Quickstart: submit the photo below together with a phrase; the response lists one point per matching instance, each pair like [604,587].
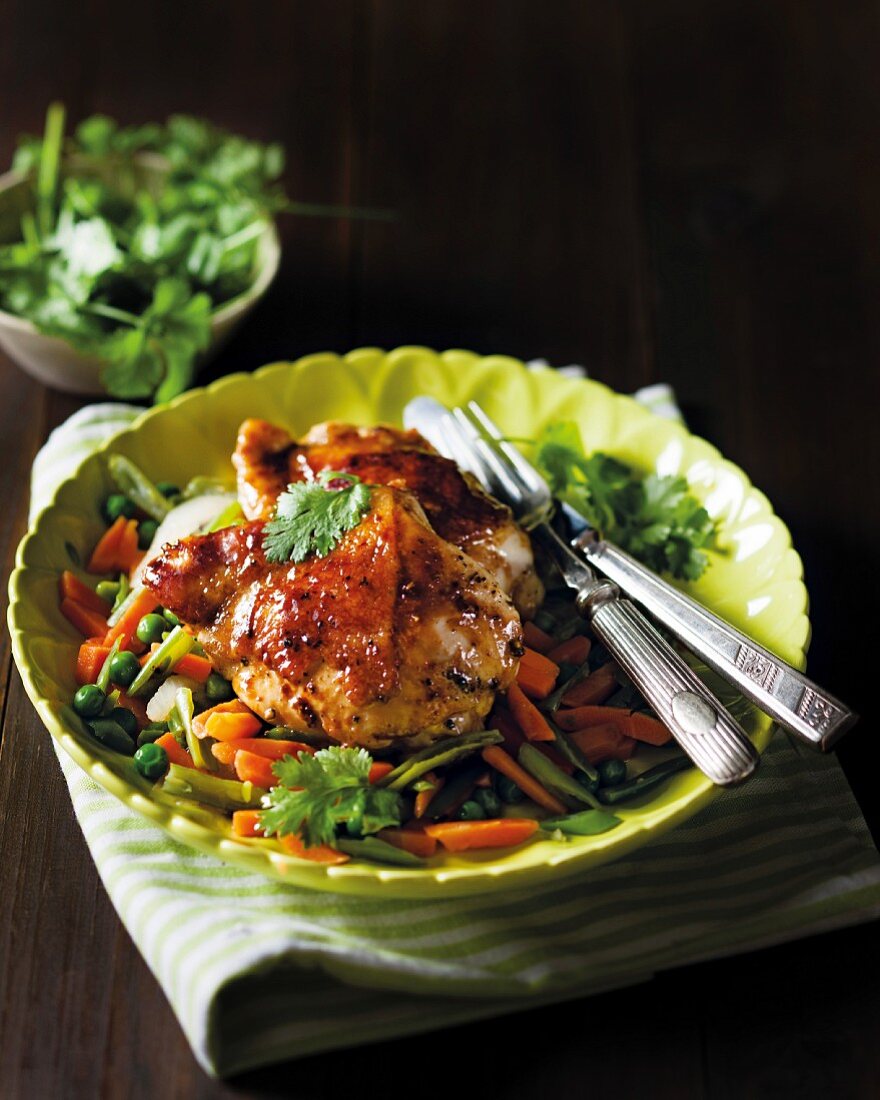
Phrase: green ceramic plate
[756,584]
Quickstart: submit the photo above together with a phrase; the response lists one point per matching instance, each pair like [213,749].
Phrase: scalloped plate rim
[363,878]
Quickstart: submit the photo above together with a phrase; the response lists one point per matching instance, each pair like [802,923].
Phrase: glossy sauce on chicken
[267,459]
[395,635]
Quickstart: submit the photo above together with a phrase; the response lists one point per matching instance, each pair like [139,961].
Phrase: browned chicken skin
[396,634]
[267,458]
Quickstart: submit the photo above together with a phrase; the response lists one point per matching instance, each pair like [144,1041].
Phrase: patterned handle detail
[793,700]
[713,740]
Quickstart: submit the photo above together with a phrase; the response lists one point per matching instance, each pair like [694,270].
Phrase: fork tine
[532,479]
[497,470]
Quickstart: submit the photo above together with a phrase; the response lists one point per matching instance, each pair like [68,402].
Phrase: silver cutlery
[707,733]
[792,699]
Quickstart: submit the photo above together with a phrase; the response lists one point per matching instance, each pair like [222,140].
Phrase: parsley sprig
[656,519]
[335,790]
[311,517]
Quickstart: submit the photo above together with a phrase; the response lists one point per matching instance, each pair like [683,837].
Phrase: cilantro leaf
[334,788]
[654,518]
[311,518]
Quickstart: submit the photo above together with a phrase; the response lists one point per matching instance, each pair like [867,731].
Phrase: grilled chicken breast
[395,634]
[267,459]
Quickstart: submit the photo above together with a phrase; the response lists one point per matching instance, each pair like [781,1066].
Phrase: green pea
[218,689]
[112,735]
[151,761]
[545,621]
[170,617]
[147,528]
[122,716]
[168,488]
[488,800]
[507,790]
[123,668]
[611,773]
[117,505]
[107,590]
[471,811]
[150,629]
[89,701]
[151,733]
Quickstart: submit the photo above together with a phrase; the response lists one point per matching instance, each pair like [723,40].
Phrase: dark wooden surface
[663,190]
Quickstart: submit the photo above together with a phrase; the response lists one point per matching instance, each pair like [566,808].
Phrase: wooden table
[663,190]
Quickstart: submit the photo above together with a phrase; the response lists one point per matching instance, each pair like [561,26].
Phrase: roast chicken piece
[395,635]
[267,458]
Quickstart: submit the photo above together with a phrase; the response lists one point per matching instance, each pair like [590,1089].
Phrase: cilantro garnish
[654,518]
[311,518]
[335,789]
[125,269]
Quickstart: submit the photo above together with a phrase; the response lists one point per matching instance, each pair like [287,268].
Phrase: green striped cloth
[257,971]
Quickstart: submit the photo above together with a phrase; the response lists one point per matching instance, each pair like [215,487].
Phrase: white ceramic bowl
[57,363]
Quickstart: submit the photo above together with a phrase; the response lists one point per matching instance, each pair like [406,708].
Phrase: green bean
[644,782]
[137,487]
[565,788]
[176,645]
[553,700]
[225,794]
[371,847]
[586,823]
[437,755]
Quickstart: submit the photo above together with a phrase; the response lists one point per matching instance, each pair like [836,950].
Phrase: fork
[708,734]
[797,703]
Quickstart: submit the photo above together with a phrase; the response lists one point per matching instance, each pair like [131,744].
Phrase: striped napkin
[258,971]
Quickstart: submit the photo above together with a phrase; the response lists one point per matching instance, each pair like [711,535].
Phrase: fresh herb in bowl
[133,237]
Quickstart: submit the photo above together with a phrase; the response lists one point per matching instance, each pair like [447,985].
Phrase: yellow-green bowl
[756,583]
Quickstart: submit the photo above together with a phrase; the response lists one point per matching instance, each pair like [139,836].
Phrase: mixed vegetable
[554,760]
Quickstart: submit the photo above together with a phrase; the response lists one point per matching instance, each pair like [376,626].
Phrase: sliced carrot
[503,832]
[537,639]
[176,754]
[597,687]
[127,552]
[89,623]
[415,841]
[579,718]
[575,651]
[257,769]
[89,661]
[246,823]
[600,743]
[650,730]
[527,716]
[318,853]
[72,588]
[379,769]
[232,727]
[195,667]
[536,674]
[225,751]
[142,604]
[495,756]
[104,557]
[423,798]
[233,707]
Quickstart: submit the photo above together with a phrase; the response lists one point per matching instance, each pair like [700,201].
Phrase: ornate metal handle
[788,696]
[709,735]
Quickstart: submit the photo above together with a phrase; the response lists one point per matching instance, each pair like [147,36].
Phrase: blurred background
[662,190]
